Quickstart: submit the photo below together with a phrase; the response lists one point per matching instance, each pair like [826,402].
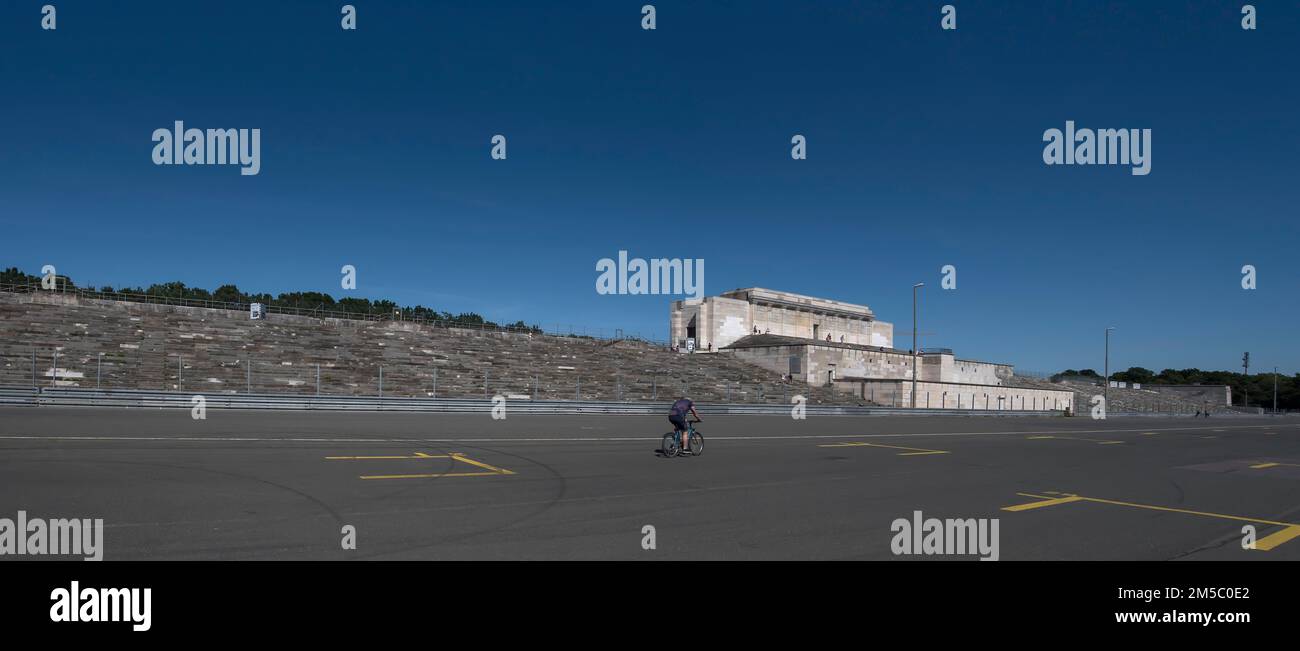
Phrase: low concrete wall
[818,361]
[951,395]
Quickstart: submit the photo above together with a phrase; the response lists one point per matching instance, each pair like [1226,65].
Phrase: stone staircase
[1120,400]
[127,345]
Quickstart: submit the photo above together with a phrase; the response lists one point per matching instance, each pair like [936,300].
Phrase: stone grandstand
[128,345]
[1124,400]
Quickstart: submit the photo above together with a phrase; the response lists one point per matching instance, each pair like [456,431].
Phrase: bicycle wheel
[669,446]
[697,444]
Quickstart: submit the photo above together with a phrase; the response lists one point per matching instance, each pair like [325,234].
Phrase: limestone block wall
[815,363]
[856,362]
[726,320]
[721,320]
[942,367]
[777,359]
[882,335]
[717,321]
[1216,396]
[809,325]
[818,364]
[952,395]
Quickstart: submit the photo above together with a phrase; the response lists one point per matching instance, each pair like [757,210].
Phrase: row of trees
[300,300]
[1256,387]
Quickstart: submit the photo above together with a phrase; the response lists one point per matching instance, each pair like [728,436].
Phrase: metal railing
[68,397]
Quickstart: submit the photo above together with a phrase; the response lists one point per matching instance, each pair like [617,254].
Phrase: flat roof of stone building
[791,300]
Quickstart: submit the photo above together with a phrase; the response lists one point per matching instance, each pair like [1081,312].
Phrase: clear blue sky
[925,149]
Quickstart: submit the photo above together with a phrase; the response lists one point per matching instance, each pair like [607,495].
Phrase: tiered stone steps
[1120,400]
[140,345]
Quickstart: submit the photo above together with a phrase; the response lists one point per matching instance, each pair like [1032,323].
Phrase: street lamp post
[915,351]
[1105,387]
[1245,391]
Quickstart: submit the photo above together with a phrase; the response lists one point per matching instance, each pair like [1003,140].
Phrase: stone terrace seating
[1121,400]
[140,344]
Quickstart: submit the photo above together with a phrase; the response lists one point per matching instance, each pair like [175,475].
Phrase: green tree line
[1257,388]
[300,300]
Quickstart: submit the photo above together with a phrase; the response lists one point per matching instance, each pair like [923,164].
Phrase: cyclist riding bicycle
[677,416]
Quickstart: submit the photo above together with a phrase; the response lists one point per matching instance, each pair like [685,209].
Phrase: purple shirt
[682,407]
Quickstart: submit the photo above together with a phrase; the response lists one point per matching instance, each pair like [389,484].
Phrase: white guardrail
[69,397]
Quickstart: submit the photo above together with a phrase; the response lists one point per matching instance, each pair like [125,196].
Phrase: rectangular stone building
[823,342]
[715,322]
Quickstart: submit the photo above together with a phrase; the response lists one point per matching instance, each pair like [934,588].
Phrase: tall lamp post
[1105,387]
[915,351]
[1245,393]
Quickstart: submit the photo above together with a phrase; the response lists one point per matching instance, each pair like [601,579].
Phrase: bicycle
[672,445]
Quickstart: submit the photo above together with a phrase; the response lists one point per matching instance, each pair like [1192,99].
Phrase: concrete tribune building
[824,342]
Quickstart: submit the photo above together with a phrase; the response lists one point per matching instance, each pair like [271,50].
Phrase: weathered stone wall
[721,320]
[951,395]
[969,371]
[123,345]
[819,363]
[1215,396]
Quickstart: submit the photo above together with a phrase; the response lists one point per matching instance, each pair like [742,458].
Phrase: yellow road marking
[501,471]
[1046,502]
[1277,538]
[434,475]
[1291,530]
[417,455]
[915,452]
[454,456]
[1270,464]
[1073,438]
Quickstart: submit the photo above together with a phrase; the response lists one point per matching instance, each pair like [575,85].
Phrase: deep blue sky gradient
[925,149]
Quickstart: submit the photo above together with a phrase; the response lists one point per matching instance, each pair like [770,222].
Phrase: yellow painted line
[454,456]
[1290,531]
[914,451]
[1270,464]
[417,455]
[1072,438]
[1042,503]
[1187,511]
[1147,434]
[1277,538]
[435,475]
[499,471]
